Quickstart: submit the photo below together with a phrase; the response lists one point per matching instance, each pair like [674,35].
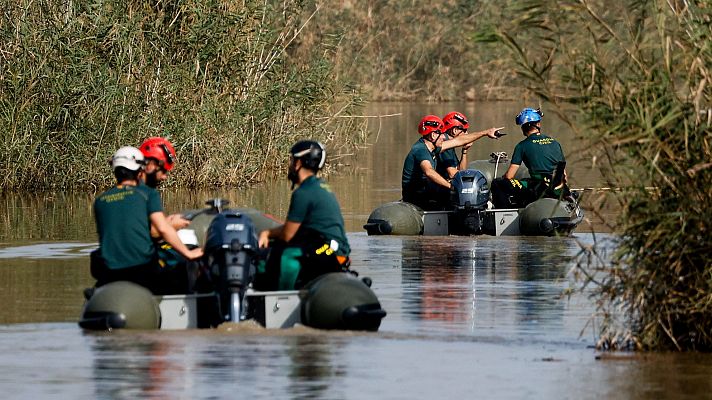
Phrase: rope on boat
[608,189]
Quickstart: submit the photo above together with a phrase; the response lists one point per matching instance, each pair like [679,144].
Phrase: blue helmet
[528,115]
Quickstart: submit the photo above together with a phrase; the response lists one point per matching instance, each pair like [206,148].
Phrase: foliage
[415,50]
[80,79]
[636,75]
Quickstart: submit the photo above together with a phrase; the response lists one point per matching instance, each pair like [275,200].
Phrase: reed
[634,77]
[415,50]
[216,77]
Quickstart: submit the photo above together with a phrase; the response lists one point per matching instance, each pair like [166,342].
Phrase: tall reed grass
[415,50]
[80,79]
[634,77]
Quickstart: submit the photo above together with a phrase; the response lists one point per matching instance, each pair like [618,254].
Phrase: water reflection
[500,286]
[129,369]
[300,365]
[49,250]
[45,216]
[440,281]
[537,268]
[312,369]
[42,289]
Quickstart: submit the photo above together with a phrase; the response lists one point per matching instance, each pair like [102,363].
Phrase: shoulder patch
[325,186]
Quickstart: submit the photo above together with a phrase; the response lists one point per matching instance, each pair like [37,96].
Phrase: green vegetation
[635,77]
[416,50]
[80,79]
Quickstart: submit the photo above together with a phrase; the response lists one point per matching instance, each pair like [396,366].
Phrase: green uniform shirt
[122,222]
[540,153]
[447,159]
[414,179]
[315,207]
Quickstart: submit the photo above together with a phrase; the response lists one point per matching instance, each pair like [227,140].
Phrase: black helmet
[312,154]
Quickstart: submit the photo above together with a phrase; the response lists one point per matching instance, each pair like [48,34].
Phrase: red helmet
[455,120]
[160,149]
[430,124]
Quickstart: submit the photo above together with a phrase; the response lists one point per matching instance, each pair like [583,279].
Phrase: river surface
[468,317]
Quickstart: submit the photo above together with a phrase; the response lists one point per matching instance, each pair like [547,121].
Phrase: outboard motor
[468,199]
[231,246]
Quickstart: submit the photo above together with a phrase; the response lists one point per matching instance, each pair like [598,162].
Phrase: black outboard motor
[231,246]
[468,199]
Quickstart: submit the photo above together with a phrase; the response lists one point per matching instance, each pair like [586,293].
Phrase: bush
[82,79]
[411,50]
[635,76]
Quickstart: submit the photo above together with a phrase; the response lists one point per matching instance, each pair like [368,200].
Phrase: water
[468,317]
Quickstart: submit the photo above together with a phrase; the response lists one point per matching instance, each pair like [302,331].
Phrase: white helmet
[128,157]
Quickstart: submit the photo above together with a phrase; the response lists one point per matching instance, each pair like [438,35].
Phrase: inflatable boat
[229,239]
[470,210]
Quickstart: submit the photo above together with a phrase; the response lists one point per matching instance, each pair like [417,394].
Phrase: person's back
[312,240]
[539,153]
[542,155]
[314,204]
[122,221]
[124,217]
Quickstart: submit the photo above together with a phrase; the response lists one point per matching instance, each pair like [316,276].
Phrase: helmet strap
[527,128]
[293,173]
[430,137]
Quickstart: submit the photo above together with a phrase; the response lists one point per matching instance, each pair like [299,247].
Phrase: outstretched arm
[469,138]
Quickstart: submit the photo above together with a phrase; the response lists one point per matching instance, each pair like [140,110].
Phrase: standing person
[420,165]
[542,155]
[124,215]
[313,240]
[160,159]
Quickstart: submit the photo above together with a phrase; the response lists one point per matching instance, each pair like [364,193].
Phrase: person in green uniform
[544,158]
[448,163]
[124,215]
[454,124]
[313,240]
[160,158]
[420,176]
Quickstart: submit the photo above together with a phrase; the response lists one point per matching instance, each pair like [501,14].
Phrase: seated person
[124,215]
[448,163]
[420,175]
[312,241]
[160,158]
[543,156]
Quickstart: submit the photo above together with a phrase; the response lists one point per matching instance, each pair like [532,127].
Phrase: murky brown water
[477,317]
